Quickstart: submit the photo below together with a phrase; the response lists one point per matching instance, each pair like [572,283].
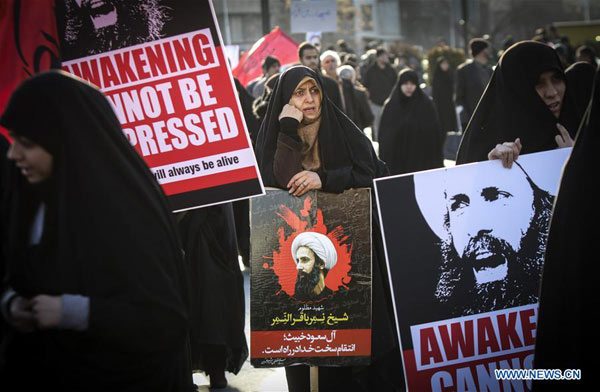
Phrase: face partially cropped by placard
[96,26]
[102,12]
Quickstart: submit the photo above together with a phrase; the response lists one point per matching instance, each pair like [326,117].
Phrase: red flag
[28,43]
[277,44]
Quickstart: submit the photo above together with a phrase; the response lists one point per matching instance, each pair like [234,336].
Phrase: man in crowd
[379,79]
[270,66]
[356,99]
[314,255]
[309,56]
[471,78]
[344,48]
[330,61]
[587,54]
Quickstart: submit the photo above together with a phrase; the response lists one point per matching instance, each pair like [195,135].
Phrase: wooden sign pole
[314,379]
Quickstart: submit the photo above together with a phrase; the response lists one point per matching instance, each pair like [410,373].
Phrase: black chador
[567,328]
[409,132]
[510,107]
[442,90]
[217,290]
[106,235]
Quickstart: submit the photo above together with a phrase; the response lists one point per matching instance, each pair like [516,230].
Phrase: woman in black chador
[409,133]
[241,208]
[95,291]
[442,91]
[569,281]
[580,79]
[217,291]
[527,107]
[305,143]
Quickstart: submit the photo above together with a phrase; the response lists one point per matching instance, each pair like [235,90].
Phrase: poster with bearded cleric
[310,287]
[465,248]
[162,66]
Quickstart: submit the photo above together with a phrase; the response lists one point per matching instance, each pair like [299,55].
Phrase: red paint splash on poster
[283,264]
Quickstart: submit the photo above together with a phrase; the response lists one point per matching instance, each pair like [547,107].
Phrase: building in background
[415,22]
[359,21]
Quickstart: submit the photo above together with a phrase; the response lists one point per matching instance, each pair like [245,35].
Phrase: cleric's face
[305,258]
[488,218]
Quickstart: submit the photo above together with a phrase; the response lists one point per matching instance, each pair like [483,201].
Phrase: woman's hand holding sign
[304,182]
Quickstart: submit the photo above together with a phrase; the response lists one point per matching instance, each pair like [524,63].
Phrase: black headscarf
[569,280]
[347,156]
[510,107]
[108,235]
[409,131]
[580,79]
[246,101]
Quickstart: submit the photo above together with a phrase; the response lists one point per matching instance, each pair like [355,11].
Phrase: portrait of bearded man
[492,227]
[314,255]
[96,26]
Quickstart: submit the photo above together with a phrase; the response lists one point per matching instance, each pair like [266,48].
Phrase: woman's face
[307,99]
[550,86]
[444,65]
[32,159]
[408,88]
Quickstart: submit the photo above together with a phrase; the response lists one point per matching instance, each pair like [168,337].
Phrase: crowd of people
[363,86]
[98,288]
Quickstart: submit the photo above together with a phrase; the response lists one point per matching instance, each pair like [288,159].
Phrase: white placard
[232,52]
[313,15]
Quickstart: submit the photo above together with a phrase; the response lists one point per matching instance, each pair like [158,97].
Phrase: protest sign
[232,52]
[162,67]
[311,279]
[464,248]
[313,15]
[25,50]
[276,44]
[314,38]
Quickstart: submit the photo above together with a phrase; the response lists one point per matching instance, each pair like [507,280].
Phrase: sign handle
[314,379]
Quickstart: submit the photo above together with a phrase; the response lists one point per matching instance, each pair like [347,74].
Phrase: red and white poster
[311,279]
[163,68]
[465,250]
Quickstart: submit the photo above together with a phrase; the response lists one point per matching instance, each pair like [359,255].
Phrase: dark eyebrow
[491,193]
[457,199]
[460,197]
